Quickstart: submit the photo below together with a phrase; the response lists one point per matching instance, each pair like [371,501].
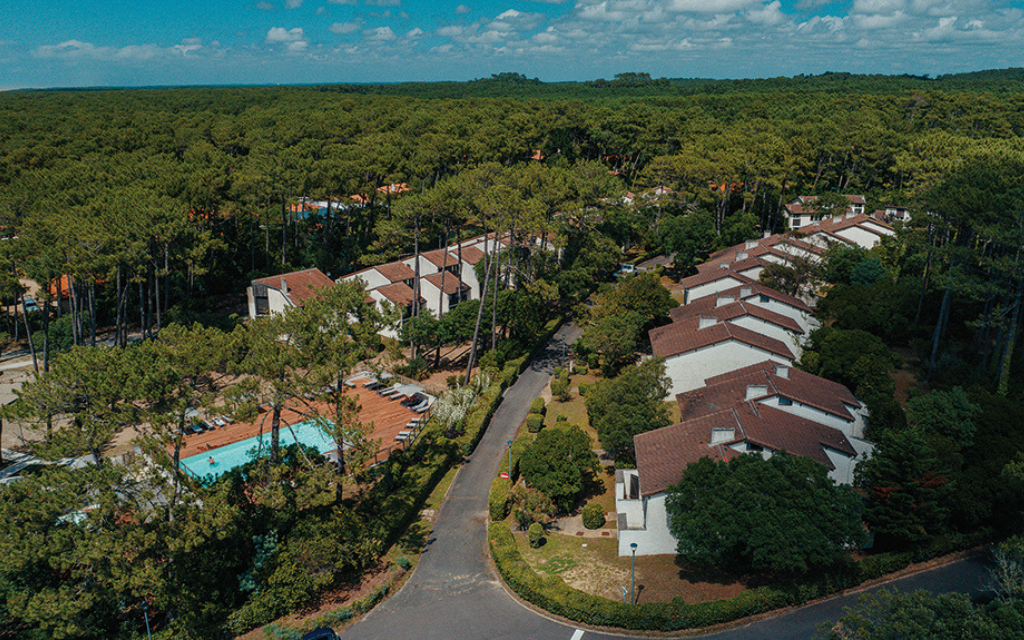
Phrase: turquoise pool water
[238,453]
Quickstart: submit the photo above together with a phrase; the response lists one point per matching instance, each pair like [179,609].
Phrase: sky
[88,43]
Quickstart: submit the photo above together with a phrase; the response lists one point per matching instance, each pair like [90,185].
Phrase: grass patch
[673,411]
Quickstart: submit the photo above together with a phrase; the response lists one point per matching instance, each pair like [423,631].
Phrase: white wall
[371,277]
[765,328]
[710,288]
[849,427]
[687,371]
[844,464]
[806,321]
[654,538]
[860,237]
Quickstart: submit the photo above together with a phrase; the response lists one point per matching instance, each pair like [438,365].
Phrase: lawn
[593,565]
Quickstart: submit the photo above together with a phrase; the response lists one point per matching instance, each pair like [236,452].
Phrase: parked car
[323,633]
[30,304]
[625,270]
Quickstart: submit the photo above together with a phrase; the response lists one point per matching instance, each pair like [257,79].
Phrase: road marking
[577,635]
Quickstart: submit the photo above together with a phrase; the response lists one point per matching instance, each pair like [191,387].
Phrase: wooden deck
[387,416]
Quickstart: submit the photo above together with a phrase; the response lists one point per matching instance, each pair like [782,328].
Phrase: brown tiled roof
[708,306]
[758,289]
[302,285]
[437,257]
[396,271]
[729,389]
[684,336]
[398,293]
[712,275]
[451,282]
[663,454]
[472,255]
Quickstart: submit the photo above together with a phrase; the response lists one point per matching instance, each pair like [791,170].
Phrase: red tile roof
[398,293]
[663,454]
[708,306]
[451,282]
[685,336]
[729,389]
[437,258]
[712,275]
[301,285]
[472,255]
[758,289]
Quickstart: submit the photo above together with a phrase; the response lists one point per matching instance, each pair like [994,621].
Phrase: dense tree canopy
[783,514]
[628,405]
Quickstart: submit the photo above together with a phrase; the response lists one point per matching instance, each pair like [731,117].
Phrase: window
[765,299]
[784,401]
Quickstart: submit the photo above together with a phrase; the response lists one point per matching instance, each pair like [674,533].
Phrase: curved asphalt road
[454,594]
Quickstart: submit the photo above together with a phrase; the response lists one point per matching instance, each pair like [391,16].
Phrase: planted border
[553,595]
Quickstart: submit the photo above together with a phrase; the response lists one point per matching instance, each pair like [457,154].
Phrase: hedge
[537,406]
[553,595]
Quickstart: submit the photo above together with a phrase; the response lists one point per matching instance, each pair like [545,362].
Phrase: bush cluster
[537,406]
[534,423]
[593,516]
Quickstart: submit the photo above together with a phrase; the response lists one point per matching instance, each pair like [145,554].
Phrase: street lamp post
[510,462]
[632,578]
[145,613]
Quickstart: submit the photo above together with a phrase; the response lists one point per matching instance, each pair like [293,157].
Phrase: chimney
[851,214]
[837,218]
[767,233]
[704,322]
[756,391]
[782,371]
[723,266]
[742,256]
[745,291]
[722,434]
[751,244]
[721,301]
[284,285]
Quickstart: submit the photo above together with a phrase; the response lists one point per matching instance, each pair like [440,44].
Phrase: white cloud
[415,34]
[383,3]
[80,50]
[293,4]
[462,10]
[348,2]
[292,39]
[712,6]
[768,15]
[341,28]
[380,34]
[265,6]
[450,31]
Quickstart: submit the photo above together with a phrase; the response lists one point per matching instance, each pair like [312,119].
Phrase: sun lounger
[387,390]
[220,421]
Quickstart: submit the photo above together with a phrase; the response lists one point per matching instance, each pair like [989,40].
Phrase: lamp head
[632,545]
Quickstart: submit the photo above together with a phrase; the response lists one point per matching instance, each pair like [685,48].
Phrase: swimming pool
[238,453]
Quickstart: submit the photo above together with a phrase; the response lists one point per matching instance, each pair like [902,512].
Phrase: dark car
[323,633]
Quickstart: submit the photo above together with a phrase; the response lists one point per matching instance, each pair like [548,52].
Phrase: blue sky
[63,43]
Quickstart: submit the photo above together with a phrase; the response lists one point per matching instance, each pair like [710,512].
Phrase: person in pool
[212,461]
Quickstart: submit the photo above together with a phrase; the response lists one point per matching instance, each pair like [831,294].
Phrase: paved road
[454,594]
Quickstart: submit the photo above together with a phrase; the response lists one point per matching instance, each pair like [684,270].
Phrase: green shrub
[498,499]
[593,360]
[558,372]
[404,563]
[537,406]
[534,423]
[561,419]
[277,632]
[584,388]
[415,369]
[560,389]
[593,516]
[580,369]
[363,605]
[536,534]
[333,618]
